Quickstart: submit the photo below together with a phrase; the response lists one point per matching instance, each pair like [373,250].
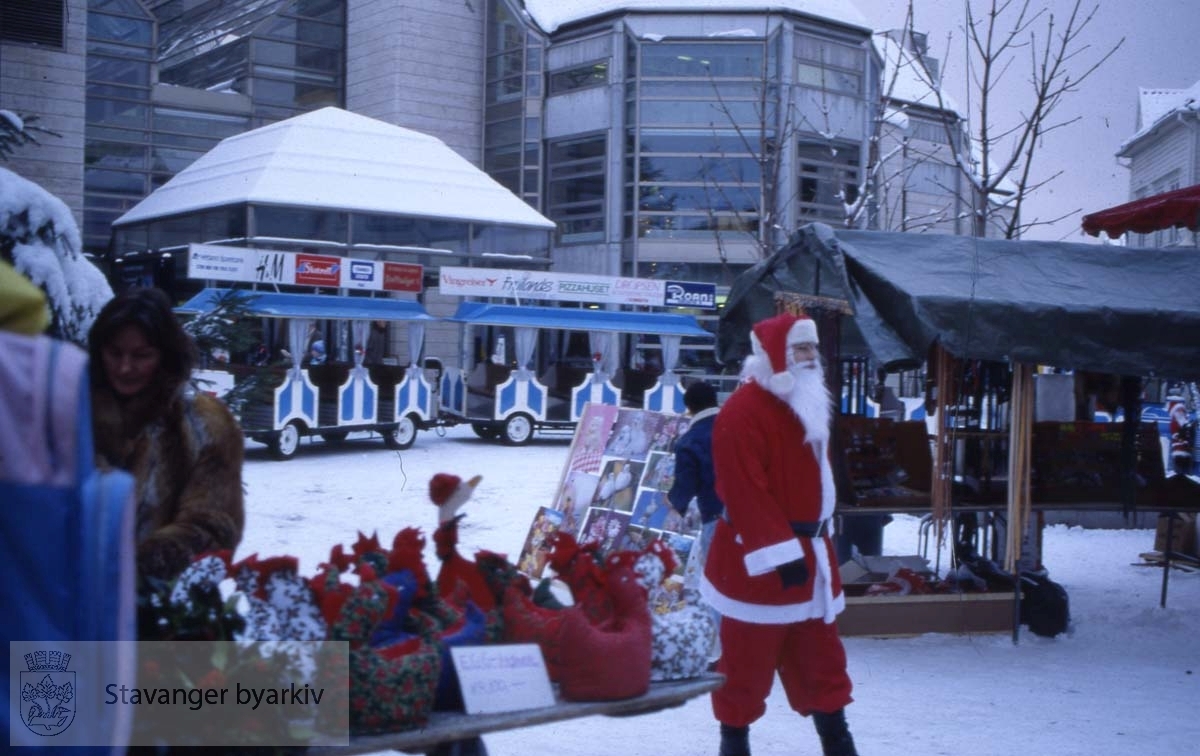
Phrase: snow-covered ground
[1125,680]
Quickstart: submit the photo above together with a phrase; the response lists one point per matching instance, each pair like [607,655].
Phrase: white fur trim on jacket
[761,561]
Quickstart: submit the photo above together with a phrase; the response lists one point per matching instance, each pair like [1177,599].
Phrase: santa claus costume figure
[771,569]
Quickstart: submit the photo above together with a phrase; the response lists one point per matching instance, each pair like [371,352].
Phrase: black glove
[792,573]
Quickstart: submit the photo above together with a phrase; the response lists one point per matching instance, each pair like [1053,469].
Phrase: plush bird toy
[449,493]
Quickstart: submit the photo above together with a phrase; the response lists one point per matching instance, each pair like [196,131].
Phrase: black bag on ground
[1045,607]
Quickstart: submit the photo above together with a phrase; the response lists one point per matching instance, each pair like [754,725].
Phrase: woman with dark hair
[184,448]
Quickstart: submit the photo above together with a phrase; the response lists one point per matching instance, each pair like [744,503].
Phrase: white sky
[1161,50]
[1124,681]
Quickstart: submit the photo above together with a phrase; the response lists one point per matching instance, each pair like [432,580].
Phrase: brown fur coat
[186,454]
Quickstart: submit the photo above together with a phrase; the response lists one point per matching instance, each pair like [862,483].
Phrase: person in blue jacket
[694,476]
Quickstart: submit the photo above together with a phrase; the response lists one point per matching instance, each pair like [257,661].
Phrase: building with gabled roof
[1163,154]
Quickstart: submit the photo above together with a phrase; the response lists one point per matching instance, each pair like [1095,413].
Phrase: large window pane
[700,169]
[174,160]
[826,64]
[127,30]
[212,125]
[828,176]
[576,188]
[288,55]
[693,226]
[114,155]
[303,30]
[719,114]
[325,10]
[722,141]
[114,182]
[295,95]
[298,223]
[117,112]
[821,77]
[118,92]
[503,133]
[211,68]
[589,75]
[125,52]
[399,231]
[114,71]
[728,197]
[705,90]
[702,60]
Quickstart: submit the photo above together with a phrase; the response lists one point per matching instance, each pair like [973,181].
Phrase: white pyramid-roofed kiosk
[333,159]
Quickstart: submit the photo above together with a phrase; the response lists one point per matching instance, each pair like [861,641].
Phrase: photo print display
[618,484]
[591,437]
[660,471]
[652,510]
[614,484]
[605,528]
[536,551]
[633,434]
[575,497]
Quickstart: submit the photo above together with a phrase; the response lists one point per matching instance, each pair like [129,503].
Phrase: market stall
[968,303]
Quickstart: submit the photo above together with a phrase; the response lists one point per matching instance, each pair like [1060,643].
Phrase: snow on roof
[551,14]
[1156,105]
[905,77]
[337,160]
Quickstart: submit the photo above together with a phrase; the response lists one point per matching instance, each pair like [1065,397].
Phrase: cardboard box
[1183,533]
[890,615]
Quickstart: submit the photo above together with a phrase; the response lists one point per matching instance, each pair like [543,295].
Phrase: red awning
[1180,207]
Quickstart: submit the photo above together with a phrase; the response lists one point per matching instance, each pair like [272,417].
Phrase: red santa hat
[771,339]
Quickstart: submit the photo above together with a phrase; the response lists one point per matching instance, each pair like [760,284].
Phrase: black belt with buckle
[810,529]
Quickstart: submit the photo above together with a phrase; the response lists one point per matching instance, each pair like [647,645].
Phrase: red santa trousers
[808,655]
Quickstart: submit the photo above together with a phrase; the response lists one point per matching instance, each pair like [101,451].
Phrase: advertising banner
[575,287]
[403,277]
[318,270]
[214,262]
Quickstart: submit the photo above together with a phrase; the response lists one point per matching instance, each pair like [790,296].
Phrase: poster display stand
[613,488]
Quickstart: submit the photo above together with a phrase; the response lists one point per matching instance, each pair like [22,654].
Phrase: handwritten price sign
[502,677]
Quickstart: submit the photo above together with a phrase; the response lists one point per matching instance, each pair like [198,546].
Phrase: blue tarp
[271,304]
[572,319]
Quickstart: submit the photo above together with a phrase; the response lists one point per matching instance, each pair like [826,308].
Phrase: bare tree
[1003,147]
[787,116]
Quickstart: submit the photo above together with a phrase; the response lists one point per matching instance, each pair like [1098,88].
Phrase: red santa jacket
[769,478]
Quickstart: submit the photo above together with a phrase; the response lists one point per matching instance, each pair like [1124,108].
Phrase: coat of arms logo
[47,693]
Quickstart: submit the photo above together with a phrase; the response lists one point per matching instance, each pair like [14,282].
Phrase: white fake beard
[810,399]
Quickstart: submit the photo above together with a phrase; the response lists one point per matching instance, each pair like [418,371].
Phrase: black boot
[835,735]
[735,741]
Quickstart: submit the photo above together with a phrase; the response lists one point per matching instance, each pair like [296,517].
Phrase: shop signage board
[215,262]
[575,287]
